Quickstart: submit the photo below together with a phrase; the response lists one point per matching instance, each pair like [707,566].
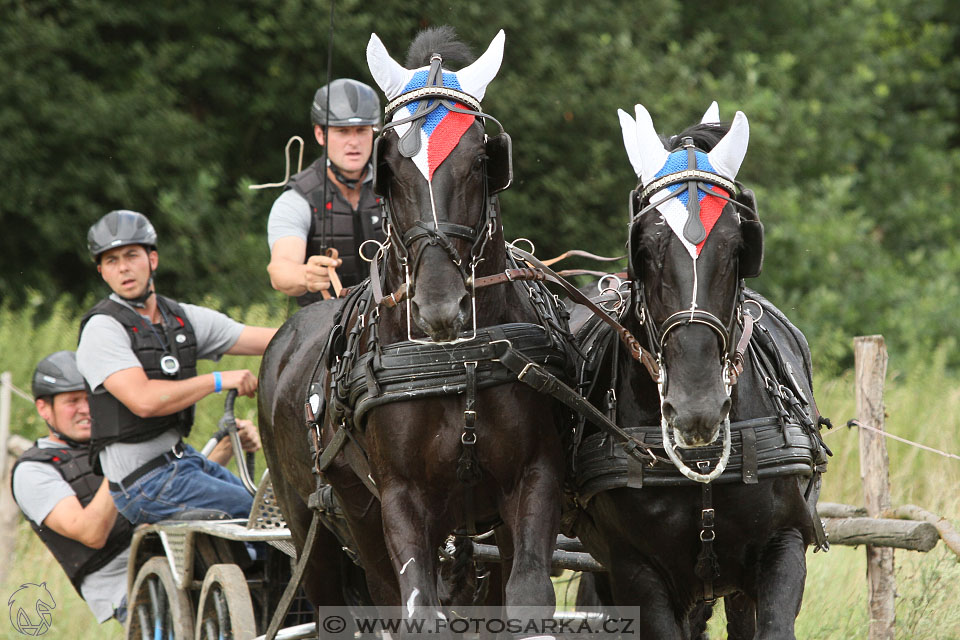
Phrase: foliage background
[173,108]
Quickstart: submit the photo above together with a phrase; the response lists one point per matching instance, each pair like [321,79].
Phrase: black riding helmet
[352,104]
[120,228]
[57,373]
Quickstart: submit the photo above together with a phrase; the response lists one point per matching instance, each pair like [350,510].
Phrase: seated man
[138,353]
[68,504]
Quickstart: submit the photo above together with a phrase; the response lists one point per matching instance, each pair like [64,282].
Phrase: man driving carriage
[330,204]
[138,352]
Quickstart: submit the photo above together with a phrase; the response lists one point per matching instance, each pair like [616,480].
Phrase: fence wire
[856,423]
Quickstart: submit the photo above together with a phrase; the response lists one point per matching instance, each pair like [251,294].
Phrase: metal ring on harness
[380,250]
[759,307]
[533,248]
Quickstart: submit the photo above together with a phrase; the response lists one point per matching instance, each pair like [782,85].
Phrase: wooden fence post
[870,354]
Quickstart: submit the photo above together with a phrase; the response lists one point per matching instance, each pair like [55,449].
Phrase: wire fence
[850,423]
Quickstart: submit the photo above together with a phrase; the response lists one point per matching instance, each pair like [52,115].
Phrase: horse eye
[478,163]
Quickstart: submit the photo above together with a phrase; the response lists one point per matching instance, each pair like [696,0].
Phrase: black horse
[425,433]
[715,494]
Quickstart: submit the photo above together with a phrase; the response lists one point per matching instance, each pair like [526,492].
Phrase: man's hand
[249,441]
[317,274]
[240,379]
[249,436]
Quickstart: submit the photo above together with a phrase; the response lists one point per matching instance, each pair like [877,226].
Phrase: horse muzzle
[442,320]
[694,424]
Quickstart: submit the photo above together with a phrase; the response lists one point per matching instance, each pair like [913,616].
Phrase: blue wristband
[217,382]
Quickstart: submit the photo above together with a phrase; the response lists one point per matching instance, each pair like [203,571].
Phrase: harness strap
[636,350]
[707,568]
[536,377]
[468,466]
[280,613]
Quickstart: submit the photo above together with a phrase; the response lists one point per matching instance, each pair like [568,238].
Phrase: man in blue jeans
[137,353]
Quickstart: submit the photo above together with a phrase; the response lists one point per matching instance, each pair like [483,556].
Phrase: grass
[922,403]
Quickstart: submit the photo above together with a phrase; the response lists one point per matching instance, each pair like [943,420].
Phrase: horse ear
[652,154]
[629,128]
[712,114]
[389,74]
[727,156]
[475,77]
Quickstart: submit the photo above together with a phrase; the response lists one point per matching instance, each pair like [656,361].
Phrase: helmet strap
[350,183]
[140,302]
[62,436]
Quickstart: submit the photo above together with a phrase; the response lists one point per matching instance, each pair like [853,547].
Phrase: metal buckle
[177,450]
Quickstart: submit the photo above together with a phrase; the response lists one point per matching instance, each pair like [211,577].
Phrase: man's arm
[148,398]
[90,525]
[253,341]
[290,274]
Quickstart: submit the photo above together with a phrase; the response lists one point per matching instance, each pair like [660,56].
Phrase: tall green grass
[922,401]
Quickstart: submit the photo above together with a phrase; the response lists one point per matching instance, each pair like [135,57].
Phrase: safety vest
[111,420]
[346,228]
[77,559]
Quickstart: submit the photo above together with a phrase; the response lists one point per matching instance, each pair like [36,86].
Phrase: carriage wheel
[158,610]
[226,610]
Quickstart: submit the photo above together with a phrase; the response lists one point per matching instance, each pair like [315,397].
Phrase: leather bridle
[640,204]
[410,244]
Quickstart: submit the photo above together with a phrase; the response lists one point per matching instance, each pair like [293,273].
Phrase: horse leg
[412,537]
[741,616]
[644,598]
[780,578]
[532,514]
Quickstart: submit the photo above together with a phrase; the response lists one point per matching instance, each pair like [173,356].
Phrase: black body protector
[345,228]
[77,559]
[167,351]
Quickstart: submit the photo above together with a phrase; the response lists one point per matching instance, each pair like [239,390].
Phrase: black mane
[705,136]
[442,40]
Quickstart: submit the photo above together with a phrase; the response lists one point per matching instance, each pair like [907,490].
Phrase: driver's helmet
[57,373]
[120,228]
[352,104]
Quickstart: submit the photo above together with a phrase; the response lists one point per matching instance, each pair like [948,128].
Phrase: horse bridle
[437,232]
[730,353]
[694,179]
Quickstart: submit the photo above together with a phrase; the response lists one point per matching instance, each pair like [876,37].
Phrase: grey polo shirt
[39,488]
[105,349]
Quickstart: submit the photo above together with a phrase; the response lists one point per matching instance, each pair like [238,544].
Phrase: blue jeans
[190,482]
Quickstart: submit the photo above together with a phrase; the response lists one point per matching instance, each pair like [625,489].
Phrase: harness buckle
[177,450]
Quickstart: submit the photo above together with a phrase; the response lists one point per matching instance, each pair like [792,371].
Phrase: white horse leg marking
[411,601]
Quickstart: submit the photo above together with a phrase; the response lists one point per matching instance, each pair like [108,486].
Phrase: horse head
[693,238]
[437,172]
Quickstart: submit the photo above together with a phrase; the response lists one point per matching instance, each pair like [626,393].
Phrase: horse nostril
[669,412]
[466,307]
[725,408]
